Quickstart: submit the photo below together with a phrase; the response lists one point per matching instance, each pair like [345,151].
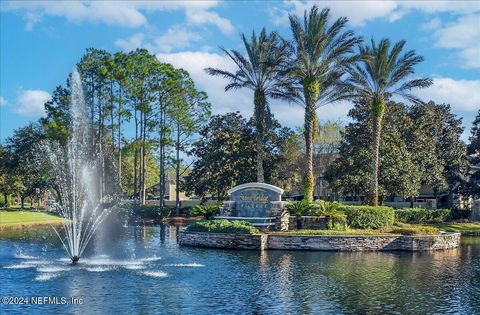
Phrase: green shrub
[420,215]
[336,221]
[365,217]
[413,230]
[336,218]
[299,208]
[222,226]
[322,207]
[206,211]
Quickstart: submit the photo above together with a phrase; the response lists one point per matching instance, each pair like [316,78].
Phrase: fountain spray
[77,168]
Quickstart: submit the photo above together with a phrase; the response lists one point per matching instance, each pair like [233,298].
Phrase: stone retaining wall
[320,242]
[220,240]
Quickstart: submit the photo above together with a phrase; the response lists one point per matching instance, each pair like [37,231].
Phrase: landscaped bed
[345,228]
[242,235]
[397,229]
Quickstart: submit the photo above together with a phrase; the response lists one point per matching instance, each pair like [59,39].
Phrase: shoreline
[321,242]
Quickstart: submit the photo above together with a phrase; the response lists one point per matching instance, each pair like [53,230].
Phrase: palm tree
[321,54]
[380,74]
[260,71]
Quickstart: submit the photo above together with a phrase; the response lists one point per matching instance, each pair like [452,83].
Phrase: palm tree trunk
[310,90]
[259,102]
[308,180]
[378,109]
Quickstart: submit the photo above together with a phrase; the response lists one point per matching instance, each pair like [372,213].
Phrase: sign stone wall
[254,199]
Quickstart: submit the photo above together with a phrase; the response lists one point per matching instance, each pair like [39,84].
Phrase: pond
[142,270]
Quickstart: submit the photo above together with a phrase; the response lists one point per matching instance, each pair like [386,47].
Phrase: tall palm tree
[381,73]
[321,53]
[261,71]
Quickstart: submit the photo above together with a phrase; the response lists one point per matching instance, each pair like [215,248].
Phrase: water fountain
[77,168]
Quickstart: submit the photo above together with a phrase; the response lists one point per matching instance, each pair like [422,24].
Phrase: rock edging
[320,242]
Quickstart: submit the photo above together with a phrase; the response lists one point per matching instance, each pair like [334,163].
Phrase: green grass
[12,218]
[334,232]
[464,228]
[396,229]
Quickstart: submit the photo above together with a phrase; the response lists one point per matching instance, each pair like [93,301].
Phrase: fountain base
[75,260]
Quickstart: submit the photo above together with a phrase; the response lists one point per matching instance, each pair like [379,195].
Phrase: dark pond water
[143,271]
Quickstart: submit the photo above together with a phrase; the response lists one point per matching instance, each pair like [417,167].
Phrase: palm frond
[380,72]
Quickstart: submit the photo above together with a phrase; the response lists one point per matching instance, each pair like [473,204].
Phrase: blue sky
[41,41]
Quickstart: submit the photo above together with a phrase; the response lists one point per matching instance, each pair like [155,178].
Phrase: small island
[256,218]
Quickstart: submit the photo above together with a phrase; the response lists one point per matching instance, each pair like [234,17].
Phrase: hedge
[222,226]
[150,211]
[420,215]
[369,217]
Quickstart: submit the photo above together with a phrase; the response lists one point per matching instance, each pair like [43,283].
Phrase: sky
[41,41]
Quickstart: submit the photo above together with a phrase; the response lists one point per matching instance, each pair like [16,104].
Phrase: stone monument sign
[254,199]
[258,203]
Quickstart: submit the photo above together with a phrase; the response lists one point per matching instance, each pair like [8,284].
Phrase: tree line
[391,149]
[148,115]
[320,65]
[421,146]
[123,92]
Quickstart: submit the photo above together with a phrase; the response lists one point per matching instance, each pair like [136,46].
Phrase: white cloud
[32,18]
[202,17]
[463,34]
[360,12]
[30,102]
[175,37]
[433,24]
[3,101]
[278,16]
[121,13]
[195,62]
[462,95]
[458,7]
[132,43]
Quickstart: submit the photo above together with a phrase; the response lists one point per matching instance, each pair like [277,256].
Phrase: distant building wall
[172,193]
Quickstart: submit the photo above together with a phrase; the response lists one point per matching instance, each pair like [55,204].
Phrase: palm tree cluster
[322,64]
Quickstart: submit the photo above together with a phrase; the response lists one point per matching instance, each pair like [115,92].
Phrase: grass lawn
[12,218]
[464,228]
[397,229]
[334,232]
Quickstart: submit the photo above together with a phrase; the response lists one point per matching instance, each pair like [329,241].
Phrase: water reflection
[141,269]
